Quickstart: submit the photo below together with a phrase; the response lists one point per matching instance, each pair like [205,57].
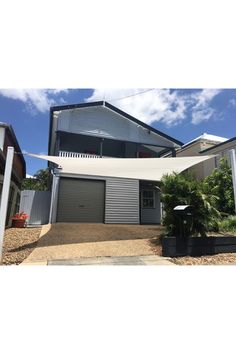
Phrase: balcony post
[101,147]
[173,152]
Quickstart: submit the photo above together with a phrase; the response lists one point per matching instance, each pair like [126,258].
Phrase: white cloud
[35,99]
[201,115]
[161,105]
[201,109]
[232,102]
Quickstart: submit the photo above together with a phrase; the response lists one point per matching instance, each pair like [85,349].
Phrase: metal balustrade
[79,155]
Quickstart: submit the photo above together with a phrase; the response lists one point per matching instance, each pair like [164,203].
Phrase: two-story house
[99,130]
[8,138]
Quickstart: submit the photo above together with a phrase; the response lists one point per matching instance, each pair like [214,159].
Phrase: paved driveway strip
[125,261]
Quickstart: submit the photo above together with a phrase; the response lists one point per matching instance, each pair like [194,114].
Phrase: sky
[184,114]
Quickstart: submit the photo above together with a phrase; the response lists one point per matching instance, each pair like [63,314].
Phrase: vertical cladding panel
[122,201]
[152,216]
[37,205]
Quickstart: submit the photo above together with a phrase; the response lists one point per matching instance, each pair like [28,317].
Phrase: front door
[150,205]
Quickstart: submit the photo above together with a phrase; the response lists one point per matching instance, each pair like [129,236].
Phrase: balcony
[80,155]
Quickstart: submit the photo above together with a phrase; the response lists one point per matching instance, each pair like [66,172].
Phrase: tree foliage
[221,181]
[182,189]
[40,181]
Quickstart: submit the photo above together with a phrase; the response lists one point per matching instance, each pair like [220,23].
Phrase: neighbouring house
[222,149]
[8,138]
[99,130]
[203,145]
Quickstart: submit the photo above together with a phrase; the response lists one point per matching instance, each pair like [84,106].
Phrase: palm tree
[183,189]
[40,181]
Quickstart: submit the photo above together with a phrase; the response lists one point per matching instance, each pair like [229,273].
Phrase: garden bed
[18,244]
[216,259]
[197,246]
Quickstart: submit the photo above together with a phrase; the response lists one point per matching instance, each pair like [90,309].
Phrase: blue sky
[182,114]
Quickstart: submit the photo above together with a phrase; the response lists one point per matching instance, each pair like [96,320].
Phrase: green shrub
[180,189]
[221,181]
[228,224]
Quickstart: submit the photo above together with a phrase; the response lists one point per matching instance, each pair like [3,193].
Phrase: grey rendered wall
[122,201]
[37,205]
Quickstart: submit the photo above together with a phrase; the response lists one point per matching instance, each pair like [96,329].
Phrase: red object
[18,223]
[144,154]
[19,219]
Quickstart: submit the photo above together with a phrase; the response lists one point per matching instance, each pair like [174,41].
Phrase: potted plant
[19,219]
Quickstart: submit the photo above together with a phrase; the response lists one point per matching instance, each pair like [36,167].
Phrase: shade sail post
[5,194]
[233,166]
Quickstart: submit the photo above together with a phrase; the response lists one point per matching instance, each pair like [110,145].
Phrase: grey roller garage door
[80,200]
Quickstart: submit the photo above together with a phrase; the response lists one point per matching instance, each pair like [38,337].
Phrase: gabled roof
[114,109]
[205,136]
[221,144]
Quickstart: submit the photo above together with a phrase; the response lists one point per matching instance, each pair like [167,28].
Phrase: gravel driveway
[18,243]
[70,241]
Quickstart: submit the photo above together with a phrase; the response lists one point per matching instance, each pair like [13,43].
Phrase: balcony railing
[79,155]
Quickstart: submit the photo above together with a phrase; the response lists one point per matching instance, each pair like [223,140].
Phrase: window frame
[148,198]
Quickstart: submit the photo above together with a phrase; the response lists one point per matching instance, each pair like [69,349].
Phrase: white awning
[151,169]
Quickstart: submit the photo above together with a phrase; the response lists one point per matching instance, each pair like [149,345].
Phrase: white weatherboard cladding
[103,122]
[122,201]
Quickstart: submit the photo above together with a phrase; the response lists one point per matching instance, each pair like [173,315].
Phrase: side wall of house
[219,151]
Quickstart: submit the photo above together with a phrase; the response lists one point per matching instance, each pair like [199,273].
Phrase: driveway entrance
[73,240]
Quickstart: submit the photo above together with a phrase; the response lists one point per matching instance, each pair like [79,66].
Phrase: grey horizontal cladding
[122,201]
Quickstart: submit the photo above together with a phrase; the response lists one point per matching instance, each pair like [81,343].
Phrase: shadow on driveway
[76,233]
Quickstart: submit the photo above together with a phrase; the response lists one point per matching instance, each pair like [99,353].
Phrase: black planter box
[197,246]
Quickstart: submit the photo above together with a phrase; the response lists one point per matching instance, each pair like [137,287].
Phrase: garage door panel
[80,200]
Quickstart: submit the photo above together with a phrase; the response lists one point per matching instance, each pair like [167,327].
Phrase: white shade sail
[151,169]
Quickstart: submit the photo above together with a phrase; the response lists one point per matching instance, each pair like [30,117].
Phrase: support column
[101,147]
[54,197]
[233,166]
[173,152]
[5,194]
